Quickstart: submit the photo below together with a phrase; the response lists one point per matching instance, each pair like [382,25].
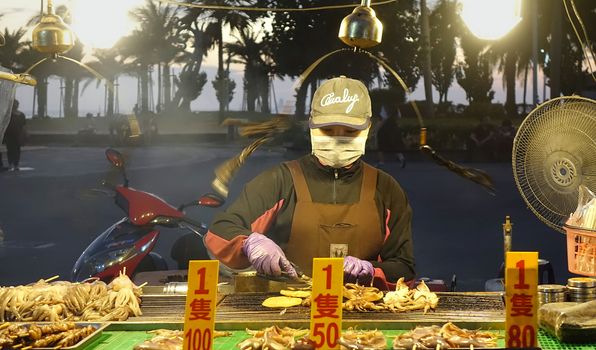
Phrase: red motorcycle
[127,245]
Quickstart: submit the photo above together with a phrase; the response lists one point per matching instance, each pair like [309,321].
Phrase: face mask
[338,151]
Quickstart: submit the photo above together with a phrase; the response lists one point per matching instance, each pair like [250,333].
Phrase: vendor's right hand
[266,256]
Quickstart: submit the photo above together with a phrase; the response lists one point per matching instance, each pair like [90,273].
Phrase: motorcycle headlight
[100,262]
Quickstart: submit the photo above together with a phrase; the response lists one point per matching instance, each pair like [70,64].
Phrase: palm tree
[213,23]
[250,52]
[160,25]
[137,51]
[475,74]
[13,48]
[72,75]
[191,80]
[109,63]
[444,28]
[42,72]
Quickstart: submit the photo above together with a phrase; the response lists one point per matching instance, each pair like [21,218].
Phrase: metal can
[582,282]
[581,289]
[551,293]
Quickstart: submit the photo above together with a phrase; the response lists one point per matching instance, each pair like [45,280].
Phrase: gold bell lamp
[51,35]
[361,29]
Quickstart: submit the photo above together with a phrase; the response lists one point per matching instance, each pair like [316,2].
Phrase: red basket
[581,250]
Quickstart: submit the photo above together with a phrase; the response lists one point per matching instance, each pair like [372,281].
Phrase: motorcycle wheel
[188,247]
[152,262]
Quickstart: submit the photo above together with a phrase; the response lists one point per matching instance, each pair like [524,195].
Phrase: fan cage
[554,151]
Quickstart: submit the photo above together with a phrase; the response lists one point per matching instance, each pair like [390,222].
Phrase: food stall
[240,311]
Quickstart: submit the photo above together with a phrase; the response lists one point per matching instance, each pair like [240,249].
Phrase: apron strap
[302,192]
[369,182]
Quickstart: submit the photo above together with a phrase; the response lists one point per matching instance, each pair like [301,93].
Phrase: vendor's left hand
[358,271]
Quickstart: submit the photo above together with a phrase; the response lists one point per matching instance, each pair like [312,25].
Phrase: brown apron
[333,230]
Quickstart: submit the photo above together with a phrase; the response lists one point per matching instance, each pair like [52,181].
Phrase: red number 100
[198,340]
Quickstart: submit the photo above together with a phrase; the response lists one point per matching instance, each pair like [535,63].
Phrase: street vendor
[329,203]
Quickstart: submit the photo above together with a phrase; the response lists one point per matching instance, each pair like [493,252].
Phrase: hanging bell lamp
[51,35]
[361,28]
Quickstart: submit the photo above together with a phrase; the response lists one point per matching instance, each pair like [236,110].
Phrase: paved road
[49,214]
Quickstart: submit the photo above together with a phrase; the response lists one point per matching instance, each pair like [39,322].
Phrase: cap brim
[329,120]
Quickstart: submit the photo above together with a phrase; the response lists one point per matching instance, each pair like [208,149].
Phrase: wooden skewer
[27,347]
[143,285]
[47,280]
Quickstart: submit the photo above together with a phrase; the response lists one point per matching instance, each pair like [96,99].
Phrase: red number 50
[329,336]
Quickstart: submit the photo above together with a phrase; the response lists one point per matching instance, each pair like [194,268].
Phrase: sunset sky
[89,25]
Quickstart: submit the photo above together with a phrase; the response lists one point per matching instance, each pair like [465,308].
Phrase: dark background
[49,214]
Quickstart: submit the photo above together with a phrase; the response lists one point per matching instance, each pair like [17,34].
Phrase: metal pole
[534,51]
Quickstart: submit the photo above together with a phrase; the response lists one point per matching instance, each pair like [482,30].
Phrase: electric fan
[554,152]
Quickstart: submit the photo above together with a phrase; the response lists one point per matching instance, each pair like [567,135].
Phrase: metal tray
[99,327]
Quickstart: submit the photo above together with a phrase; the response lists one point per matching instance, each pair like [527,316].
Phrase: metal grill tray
[99,327]
[470,308]
[479,309]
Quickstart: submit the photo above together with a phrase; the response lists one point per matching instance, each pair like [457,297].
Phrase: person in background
[481,142]
[326,204]
[14,136]
[390,139]
[505,135]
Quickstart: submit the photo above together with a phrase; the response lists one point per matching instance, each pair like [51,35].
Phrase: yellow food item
[281,302]
[295,293]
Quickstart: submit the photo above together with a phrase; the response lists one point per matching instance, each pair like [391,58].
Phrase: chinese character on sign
[326,305]
[200,309]
[521,305]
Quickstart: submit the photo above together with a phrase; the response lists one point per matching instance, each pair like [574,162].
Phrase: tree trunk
[110,109]
[185,105]
[525,87]
[167,85]
[252,93]
[220,69]
[509,75]
[67,103]
[555,50]
[145,89]
[264,92]
[428,92]
[42,98]
[159,86]
[75,99]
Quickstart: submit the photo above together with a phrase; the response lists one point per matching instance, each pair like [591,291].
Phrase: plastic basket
[581,250]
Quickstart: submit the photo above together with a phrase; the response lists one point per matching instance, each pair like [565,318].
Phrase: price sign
[521,280]
[325,308]
[199,311]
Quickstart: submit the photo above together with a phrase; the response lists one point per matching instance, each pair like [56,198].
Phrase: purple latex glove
[266,256]
[358,271]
